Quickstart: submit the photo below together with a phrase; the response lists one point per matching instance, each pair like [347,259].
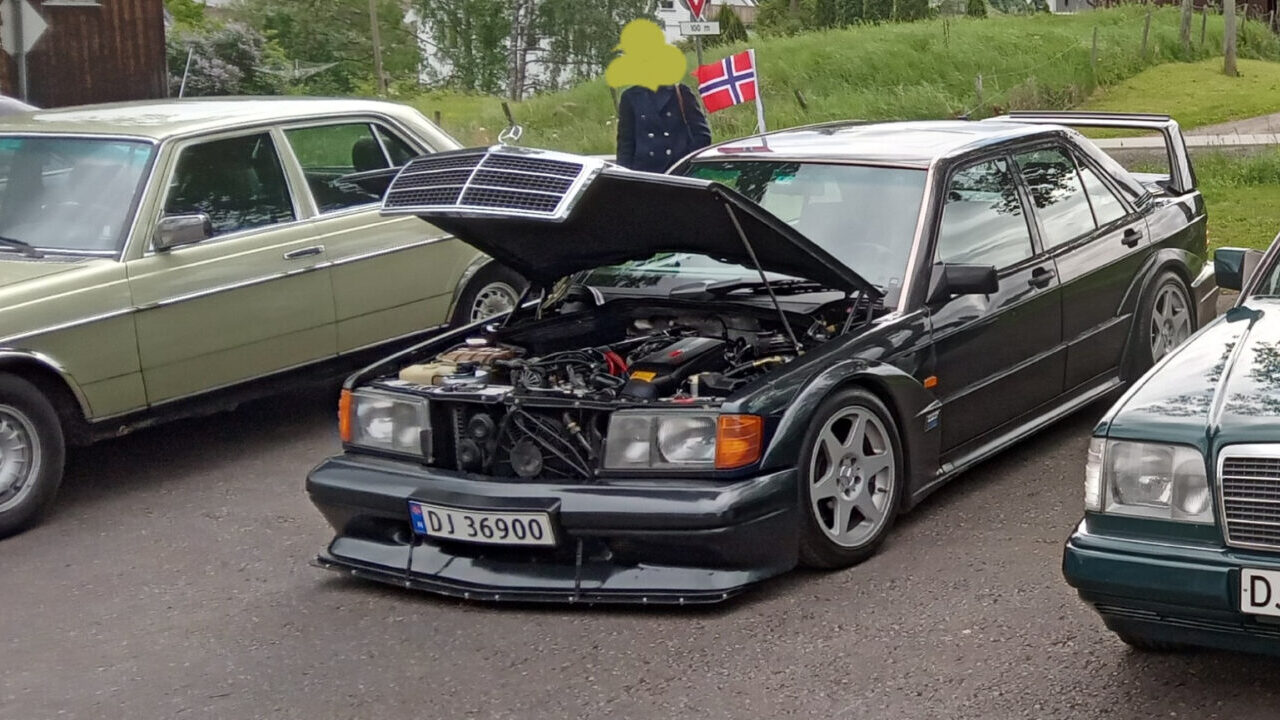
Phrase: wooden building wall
[90,54]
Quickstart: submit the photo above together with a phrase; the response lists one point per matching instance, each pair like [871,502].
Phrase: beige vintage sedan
[166,259]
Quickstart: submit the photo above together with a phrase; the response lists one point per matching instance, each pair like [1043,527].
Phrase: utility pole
[1229,38]
[20,54]
[377,47]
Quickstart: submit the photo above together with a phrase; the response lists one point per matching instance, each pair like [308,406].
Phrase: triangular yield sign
[696,6]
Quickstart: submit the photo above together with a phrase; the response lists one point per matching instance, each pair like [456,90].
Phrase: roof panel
[908,143]
[164,118]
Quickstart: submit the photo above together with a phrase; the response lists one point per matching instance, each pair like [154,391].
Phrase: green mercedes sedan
[166,259]
[1180,542]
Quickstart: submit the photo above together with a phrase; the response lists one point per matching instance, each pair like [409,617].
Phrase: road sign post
[21,25]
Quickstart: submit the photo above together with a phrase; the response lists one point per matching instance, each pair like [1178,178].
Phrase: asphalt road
[173,582]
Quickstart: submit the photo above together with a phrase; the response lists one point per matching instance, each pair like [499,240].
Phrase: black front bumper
[633,541]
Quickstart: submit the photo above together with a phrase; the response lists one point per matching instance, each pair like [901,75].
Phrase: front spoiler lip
[489,593]
[678,543]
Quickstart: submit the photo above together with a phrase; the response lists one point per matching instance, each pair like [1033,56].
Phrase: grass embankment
[894,71]
[1241,192]
[1196,94]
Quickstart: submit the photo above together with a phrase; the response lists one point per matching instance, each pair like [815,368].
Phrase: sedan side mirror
[1232,267]
[949,279]
[176,230]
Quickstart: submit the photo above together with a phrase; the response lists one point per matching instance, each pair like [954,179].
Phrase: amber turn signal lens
[739,440]
[344,416]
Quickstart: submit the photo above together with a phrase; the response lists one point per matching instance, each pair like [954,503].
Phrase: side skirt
[331,370]
[1018,430]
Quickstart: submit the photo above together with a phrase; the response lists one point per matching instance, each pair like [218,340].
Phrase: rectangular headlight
[682,440]
[388,422]
[1154,480]
[642,440]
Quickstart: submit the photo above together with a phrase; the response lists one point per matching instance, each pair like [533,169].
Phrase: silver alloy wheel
[493,298]
[852,474]
[1170,319]
[19,457]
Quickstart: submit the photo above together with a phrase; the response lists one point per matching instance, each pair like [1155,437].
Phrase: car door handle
[1131,237]
[1041,277]
[304,252]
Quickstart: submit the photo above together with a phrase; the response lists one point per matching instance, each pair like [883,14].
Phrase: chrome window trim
[179,147]
[371,120]
[1245,450]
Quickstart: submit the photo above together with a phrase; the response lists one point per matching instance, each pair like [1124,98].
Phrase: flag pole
[759,96]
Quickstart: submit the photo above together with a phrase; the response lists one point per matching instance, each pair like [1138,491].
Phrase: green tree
[318,32]
[188,13]
[224,60]
[910,10]
[470,42]
[976,8]
[580,37]
[776,17]
[731,28]
[827,14]
[877,10]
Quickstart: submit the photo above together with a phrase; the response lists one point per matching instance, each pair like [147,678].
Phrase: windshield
[865,216]
[62,194]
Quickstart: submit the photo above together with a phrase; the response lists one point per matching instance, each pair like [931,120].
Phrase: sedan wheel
[851,481]
[31,454]
[1170,318]
[19,457]
[494,298]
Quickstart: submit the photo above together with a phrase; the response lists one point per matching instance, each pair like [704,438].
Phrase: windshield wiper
[718,289]
[23,247]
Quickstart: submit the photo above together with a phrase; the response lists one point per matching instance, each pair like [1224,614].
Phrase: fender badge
[931,420]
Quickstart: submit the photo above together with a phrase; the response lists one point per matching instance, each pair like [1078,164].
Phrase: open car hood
[547,215]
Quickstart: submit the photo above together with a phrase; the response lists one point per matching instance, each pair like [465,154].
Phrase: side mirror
[176,230]
[950,279]
[1232,267]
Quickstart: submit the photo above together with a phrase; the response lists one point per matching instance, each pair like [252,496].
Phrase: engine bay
[533,401]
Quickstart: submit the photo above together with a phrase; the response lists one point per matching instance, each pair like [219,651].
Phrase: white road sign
[33,26]
[698,27]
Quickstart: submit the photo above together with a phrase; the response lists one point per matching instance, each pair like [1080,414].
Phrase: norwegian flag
[728,82]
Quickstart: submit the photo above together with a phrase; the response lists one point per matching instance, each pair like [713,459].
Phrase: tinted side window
[982,220]
[330,153]
[1107,208]
[237,182]
[1057,195]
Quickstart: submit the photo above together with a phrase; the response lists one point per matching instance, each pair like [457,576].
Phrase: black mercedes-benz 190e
[757,361]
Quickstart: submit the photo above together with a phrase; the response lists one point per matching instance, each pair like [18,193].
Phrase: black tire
[492,278]
[1153,301]
[1145,644]
[29,479]
[821,542]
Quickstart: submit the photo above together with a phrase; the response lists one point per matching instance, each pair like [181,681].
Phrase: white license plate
[493,528]
[1260,592]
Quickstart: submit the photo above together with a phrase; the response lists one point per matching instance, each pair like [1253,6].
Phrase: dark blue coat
[652,134]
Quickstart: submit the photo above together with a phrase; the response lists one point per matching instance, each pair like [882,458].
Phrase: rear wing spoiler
[1182,178]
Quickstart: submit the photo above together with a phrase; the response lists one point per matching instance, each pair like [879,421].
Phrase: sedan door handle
[1131,237]
[1041,277]
[304,252]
